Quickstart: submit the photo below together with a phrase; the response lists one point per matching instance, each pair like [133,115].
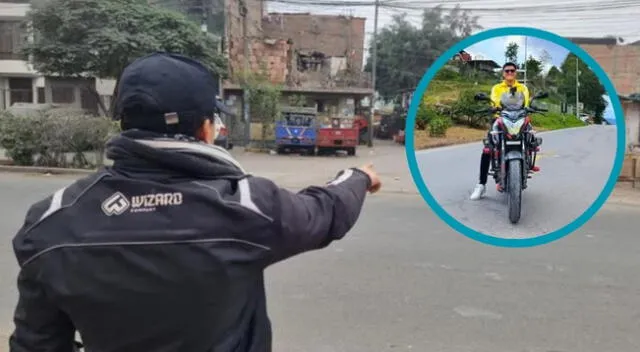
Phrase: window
[20,90]
[61,94]
[11,38]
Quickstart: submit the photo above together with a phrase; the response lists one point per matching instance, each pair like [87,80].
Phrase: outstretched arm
[314,217]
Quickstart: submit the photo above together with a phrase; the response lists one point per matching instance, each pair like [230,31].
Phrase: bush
[439,126]
[44,138]
[447,74]
[464,110]
[426,113]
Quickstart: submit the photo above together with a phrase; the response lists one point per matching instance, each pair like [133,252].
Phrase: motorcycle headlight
[513,127]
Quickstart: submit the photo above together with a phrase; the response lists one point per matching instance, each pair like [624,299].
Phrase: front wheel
[514,188]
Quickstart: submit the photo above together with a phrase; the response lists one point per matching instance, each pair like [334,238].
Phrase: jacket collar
[148,155]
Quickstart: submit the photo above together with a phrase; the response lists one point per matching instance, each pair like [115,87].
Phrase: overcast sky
[569,18]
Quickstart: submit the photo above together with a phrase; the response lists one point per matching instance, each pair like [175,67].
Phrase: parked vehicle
[341,134]
[390,125]
[361,122]
[222,134]
[296,130]
[513,148]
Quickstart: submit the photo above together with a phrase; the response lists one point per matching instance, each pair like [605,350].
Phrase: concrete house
[20,83]
[631,106]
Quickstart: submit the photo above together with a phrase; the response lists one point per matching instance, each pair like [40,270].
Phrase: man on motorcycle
[166,249]
[509,88]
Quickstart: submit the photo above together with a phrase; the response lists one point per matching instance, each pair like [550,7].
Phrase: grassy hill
[446,90]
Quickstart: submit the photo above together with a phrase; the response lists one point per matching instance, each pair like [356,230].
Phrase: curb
[45,170]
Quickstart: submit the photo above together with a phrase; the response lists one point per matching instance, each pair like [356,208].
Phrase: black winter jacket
[165,250]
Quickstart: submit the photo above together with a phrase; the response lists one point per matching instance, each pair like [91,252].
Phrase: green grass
[554,121]
[447,92]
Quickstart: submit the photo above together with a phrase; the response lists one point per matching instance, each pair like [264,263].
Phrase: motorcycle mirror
[481,96]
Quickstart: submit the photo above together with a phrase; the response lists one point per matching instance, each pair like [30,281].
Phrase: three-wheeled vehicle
[296,130]
[340,134]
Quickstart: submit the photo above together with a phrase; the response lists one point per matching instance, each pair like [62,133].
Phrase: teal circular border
[505,242]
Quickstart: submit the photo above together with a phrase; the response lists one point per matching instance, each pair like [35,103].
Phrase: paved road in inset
[575,163]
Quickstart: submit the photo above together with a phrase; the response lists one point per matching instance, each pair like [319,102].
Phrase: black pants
[485,163]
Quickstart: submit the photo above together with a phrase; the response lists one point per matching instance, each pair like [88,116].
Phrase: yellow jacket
[499,90]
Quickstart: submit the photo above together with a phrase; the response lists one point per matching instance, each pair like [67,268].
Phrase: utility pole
[374,64]
[525,60]
[577,87]
[245,95]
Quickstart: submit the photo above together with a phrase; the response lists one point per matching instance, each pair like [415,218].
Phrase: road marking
[548,154]
[471,312]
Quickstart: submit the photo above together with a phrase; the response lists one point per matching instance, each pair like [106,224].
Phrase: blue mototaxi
[296,130]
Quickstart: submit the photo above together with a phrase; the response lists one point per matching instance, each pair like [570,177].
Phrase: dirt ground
[455,135]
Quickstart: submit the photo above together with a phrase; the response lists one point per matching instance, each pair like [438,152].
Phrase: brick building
[621,62]
[317,56]
[622,65]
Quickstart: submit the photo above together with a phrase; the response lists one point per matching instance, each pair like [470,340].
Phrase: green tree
[554,75]
[511,53]
[405,50]
[591,89]
[533,67]
[75,38]
[264,100]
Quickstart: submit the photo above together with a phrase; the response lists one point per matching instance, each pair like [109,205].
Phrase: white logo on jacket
[118,203]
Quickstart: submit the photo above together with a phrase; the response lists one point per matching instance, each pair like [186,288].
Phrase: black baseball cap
[167,93]
[510,64]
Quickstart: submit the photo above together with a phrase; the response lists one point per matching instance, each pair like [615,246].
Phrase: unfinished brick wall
[271,58]
[338,36]
[235,34]
[621,62]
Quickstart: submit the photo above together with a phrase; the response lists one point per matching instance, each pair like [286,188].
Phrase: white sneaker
[478,192]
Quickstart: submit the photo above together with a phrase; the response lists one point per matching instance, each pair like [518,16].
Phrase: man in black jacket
[165,250]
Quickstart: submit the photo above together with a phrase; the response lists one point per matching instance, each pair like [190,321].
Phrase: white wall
[105,86]
[16,68]
[13,10]
[632,120]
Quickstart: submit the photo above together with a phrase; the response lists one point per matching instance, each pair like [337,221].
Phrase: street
[404,281]
[575,165]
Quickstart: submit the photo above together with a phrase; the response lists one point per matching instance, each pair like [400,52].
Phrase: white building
[19,83]
[631,106]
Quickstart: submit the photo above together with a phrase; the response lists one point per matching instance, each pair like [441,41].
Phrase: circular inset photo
[515,137]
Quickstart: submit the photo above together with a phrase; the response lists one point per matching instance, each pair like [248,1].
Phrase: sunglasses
[509,71]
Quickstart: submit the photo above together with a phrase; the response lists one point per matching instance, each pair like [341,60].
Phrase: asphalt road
[575,165]
[404,281]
